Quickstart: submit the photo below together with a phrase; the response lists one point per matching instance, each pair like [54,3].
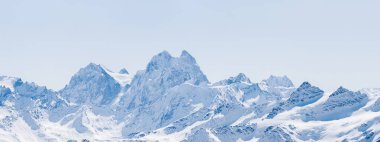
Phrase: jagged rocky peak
[339,91]
[240,78]
[164,60]
[305,94]
[278,81]
[123,71]
[91,83]
[305,85]
[92,67]
[10,82]
[4,94]
[92,72]
[276,134]
[342,92]
[158,61]
[174,71]
[4,90]
[187,57]
[24,89]
[340,104]
[162,73]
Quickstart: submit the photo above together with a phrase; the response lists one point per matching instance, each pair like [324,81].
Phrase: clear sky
[327,42]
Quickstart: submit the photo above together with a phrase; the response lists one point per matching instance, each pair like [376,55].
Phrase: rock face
[234,133]
[304,95]
[162,73]
[240,78]
[342,103]
[275,134]
[91,84]
[4,94]
[123,71]
[241,90]
[172,100]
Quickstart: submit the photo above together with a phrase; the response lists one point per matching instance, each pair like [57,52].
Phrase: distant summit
[123,71]
[240,78]
[278,81]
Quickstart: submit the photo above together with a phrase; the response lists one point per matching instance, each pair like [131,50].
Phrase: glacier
[172,100]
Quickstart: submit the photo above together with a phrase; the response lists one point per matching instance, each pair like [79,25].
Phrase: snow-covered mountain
[172,100]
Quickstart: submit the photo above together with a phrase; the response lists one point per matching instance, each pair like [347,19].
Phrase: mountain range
[172,100]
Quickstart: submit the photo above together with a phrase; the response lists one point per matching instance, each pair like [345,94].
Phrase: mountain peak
[186,56]
[163,55]
[123,71]
[175,67]
[305,85]
[158,61]
[93,67]
[165,59]
[91,83]
[340,104]
[240,78]
[162,73]
[279,81]
[92,64]
[340,90]
[90,70]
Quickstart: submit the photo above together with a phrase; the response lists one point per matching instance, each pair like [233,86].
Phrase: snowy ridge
[8,82]
[304,95]
[172,100]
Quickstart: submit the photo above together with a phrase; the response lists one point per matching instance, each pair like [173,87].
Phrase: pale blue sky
[327,42]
